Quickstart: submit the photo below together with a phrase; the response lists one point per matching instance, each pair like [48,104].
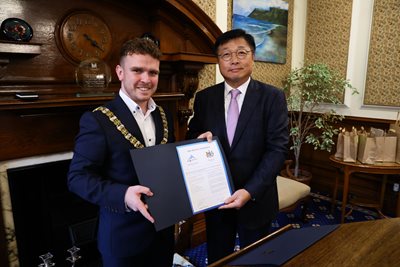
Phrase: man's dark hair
[234,34]
[141,46]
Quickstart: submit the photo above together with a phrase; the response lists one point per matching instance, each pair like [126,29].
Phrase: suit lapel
[125,116]
[250,102]
[219,112]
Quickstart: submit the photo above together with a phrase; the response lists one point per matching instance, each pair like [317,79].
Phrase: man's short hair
[234,34]
[141,46]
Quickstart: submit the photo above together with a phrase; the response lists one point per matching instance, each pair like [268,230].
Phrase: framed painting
[266,21]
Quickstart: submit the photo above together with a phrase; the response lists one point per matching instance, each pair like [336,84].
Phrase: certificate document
[205,175]
[186,178]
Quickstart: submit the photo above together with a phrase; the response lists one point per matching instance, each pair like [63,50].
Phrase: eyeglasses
[240,54]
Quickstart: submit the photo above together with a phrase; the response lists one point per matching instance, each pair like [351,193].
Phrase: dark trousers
[222,227]
[159,254]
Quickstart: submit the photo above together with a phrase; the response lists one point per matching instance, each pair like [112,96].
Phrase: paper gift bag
[339,145]
[386,148]
[350,146]
[366,149]
[395,128]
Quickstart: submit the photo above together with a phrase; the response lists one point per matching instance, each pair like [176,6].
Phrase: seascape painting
[266,21]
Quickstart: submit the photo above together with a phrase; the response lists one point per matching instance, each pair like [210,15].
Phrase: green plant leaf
[306,89]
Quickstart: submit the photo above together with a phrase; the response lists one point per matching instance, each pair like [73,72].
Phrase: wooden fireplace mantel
[41,67]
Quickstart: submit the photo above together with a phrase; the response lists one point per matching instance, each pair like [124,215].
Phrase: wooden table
[370,243]
[351,167]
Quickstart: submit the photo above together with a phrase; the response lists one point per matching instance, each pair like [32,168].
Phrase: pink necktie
[233,115]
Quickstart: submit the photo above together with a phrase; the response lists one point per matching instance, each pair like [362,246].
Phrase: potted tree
[310,122]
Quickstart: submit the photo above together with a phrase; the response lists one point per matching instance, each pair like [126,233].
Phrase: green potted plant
[309,122]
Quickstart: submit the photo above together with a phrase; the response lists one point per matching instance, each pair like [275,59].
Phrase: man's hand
[237,200]
[133,201]
[207,135]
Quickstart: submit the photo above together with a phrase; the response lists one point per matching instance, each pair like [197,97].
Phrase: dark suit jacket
[259,147]
[101,171]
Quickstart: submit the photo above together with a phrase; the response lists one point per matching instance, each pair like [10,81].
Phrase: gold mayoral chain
[128,136]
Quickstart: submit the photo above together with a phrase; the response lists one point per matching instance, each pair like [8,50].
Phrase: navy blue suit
[101,171]
[257,154]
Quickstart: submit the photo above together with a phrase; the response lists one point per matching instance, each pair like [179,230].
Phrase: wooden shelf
[8,47]
[47,101]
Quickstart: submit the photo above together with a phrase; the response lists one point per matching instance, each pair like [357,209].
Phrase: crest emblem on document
[209,154]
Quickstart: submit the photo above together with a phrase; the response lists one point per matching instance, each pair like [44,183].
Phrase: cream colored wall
[360,67]
[360,27]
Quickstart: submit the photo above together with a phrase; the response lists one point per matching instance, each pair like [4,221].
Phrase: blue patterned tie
[233,115]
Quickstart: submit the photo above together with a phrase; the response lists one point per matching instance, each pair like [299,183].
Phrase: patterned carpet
[318,213]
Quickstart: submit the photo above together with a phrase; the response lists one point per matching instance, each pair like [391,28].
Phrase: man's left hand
[208,135]
[237,200]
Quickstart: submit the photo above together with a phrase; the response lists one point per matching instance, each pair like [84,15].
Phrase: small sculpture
[74,255]
[47,260]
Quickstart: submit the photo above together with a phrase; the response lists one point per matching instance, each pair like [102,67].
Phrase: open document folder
[187,178]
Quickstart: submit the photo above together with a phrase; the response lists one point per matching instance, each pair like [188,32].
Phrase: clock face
[83,35]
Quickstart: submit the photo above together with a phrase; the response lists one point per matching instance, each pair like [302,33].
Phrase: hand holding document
[186,178]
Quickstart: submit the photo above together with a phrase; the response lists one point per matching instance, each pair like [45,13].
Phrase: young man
[255,152]
[102,171]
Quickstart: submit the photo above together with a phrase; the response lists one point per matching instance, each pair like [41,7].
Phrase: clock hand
[93,42]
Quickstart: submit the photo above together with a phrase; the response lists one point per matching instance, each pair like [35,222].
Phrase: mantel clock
[82,34]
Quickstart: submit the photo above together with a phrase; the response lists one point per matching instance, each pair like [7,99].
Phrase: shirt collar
[133,107]
[242,88]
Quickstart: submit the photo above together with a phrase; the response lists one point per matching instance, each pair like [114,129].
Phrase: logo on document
[191,158]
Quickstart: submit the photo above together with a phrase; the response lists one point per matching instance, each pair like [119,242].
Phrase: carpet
[318,213]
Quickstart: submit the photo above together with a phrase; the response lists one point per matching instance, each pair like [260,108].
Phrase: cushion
[290,191]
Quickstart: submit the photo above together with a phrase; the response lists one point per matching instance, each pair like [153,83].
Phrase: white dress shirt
[145,121]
